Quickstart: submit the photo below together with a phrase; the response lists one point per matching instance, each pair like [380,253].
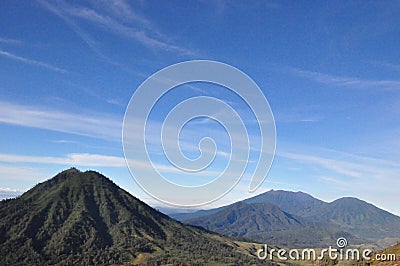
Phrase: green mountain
[360,217]
[319,221]
[296,203]
[350,214]
[241,218]
[83,218]
[266,223]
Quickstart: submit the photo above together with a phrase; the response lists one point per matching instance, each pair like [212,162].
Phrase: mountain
[350,214]
[241,218]
[297,203]
[354,218]
[186,216]
[359,217]
[83,218]
[266,223]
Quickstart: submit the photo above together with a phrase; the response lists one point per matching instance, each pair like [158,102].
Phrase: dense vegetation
[266,223]
[296,219]
[351,214]
[83,218]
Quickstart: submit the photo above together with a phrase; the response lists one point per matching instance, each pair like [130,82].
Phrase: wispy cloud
[124,12]
[64,141]
[92,160]
[337,166]
[117,17]
[115,101]
[338,173]
[290,116]
[73,159]
[31,62]
[8,190]
[386,65]
[87,39]
[346,82]
[7,193]
[334,180]
[392,66]
[10,41]
[23,173]
[98,126]
[347,164]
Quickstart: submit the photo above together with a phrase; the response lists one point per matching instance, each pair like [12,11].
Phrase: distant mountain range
[296,219]
[83,218]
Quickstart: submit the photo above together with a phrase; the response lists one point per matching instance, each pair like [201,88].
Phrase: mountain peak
[348,200]
[83,218]
[297,203]
[287,192]
[73,180]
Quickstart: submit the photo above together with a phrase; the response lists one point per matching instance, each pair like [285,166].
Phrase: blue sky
[330,71]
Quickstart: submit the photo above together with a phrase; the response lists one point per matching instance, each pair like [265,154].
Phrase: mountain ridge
[83,218]
[266,223]
[356,218]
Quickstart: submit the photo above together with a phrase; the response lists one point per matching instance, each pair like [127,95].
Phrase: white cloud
[346,82]
[8,190]
[132,25]
[32,62]
[386,65]
[90,42]
[345,174]
[7,193]
[73,159]
[347,164]
[164,169]
[122,10]
[98,126]
[334,180]
[338,166]
[10,41]
[87,159]
[21,173]
[297,117]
